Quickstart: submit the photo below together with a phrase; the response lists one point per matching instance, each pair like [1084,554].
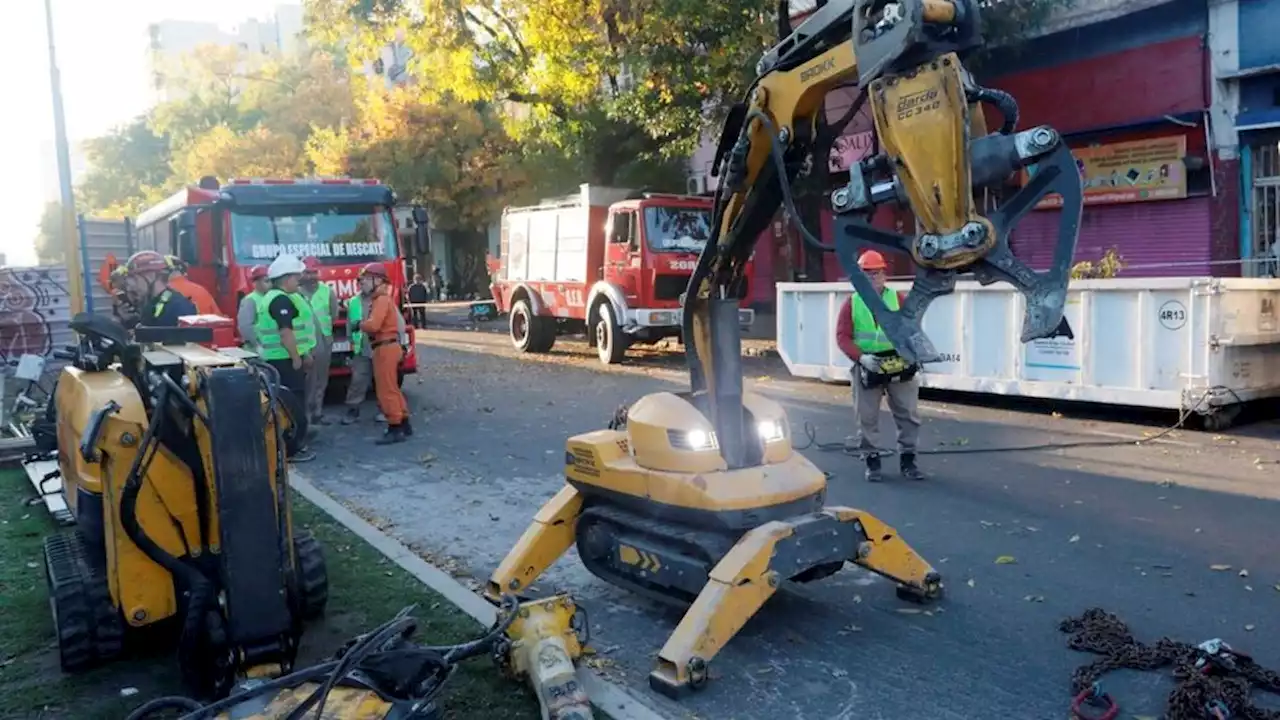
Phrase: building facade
[171,39]
[1247,74]
[1128,83]
[1131,98]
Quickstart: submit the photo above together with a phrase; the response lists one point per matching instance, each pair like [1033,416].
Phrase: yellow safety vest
[268,331]
[354,315]
[320,306]
[867,335]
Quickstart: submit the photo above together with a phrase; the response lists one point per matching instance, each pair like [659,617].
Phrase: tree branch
[557,109]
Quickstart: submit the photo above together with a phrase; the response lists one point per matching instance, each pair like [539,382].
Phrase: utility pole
[70,238]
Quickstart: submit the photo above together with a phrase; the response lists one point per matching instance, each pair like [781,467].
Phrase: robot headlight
[692,439]
[771,430]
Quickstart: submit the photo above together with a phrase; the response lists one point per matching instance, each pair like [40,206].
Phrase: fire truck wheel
[530,333]
[611,342]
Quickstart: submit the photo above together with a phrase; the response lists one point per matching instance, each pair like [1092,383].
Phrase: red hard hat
[374,268]
[259,272]
[310,263]
[147,261]
[871,261]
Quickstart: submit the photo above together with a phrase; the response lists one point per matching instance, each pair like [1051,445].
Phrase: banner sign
[318,250]
[849,149]
[1128,172]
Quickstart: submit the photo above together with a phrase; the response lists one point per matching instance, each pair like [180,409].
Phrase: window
[677,229]
[624,229]
[334,235]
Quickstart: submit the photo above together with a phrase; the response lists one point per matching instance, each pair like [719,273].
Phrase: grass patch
[365,590]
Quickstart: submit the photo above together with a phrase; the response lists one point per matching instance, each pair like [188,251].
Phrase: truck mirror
[419,215]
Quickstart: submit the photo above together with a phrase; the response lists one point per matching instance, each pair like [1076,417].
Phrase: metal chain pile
[1211,677]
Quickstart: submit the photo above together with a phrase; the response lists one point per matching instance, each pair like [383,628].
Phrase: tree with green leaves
[621,89]
[49,242]
[128,170]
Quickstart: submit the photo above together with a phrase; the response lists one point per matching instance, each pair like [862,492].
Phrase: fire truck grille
[670,287]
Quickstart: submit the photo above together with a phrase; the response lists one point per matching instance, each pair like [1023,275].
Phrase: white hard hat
[285,265]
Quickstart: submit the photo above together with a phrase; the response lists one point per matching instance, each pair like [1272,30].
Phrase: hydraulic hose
[1003,101]
[200,588]
[366,647]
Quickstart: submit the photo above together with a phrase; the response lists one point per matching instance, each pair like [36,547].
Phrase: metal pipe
[75,279]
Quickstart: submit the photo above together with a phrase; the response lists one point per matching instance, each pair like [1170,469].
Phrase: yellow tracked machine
[697,498]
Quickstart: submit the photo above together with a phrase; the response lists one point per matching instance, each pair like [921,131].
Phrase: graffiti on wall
[34,306]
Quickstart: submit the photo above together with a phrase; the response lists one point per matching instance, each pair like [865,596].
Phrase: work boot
[908,468]
[873,468]
[380,417]
[394,434]
[303,455]
[352,416]
[319,419]
[407,427]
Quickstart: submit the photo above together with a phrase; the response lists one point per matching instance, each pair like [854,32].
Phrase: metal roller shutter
[1155,239]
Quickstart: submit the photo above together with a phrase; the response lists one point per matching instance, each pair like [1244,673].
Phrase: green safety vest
[320,306]
[867,340]
[163,300]
[353,324]
[268,332]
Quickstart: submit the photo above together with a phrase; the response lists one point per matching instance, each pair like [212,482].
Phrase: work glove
[870,363]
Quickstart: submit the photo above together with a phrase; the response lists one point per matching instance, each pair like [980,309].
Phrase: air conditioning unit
[697,184]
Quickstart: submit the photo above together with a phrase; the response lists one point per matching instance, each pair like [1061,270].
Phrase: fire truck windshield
[339,235]
[677,229]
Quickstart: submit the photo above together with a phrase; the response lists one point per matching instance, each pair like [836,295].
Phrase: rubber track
[313,575]
[710,546]
[88,627]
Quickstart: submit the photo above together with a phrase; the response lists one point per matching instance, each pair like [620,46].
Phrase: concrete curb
[619,702]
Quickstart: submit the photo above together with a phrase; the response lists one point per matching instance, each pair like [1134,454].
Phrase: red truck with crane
[222,230]
[610,262]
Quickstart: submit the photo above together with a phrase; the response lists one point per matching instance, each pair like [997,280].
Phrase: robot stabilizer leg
[750,573]
[547,538]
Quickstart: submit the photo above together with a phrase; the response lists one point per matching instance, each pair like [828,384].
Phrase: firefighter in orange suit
[383,332]
[184,286]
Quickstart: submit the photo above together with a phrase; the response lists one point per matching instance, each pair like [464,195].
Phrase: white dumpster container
[1198,342]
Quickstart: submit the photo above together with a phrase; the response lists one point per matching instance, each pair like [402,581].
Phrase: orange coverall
[384,335]
[196,294]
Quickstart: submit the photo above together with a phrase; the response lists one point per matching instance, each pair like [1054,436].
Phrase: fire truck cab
[610,262]
[222,231]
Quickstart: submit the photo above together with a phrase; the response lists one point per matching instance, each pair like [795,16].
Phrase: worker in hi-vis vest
[286,333]
[879,371]
[324,308]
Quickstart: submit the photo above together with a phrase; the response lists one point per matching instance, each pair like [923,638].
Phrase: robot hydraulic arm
[934,151]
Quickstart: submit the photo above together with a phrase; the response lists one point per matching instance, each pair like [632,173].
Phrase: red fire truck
[610,262]
[222,231]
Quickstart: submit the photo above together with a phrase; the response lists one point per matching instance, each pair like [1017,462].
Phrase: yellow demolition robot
[172,463]
[697,498]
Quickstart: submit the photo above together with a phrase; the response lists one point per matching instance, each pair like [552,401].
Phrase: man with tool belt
[324,306]
[286,333]
[878,371]
[383,334]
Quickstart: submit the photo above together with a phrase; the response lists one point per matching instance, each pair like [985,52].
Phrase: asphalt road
[1134,529]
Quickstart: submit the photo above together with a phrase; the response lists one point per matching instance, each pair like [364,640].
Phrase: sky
[102,58]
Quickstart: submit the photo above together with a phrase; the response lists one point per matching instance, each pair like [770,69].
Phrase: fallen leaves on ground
[971,583]
[1074,538]
[1219,568]
[1006,560]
